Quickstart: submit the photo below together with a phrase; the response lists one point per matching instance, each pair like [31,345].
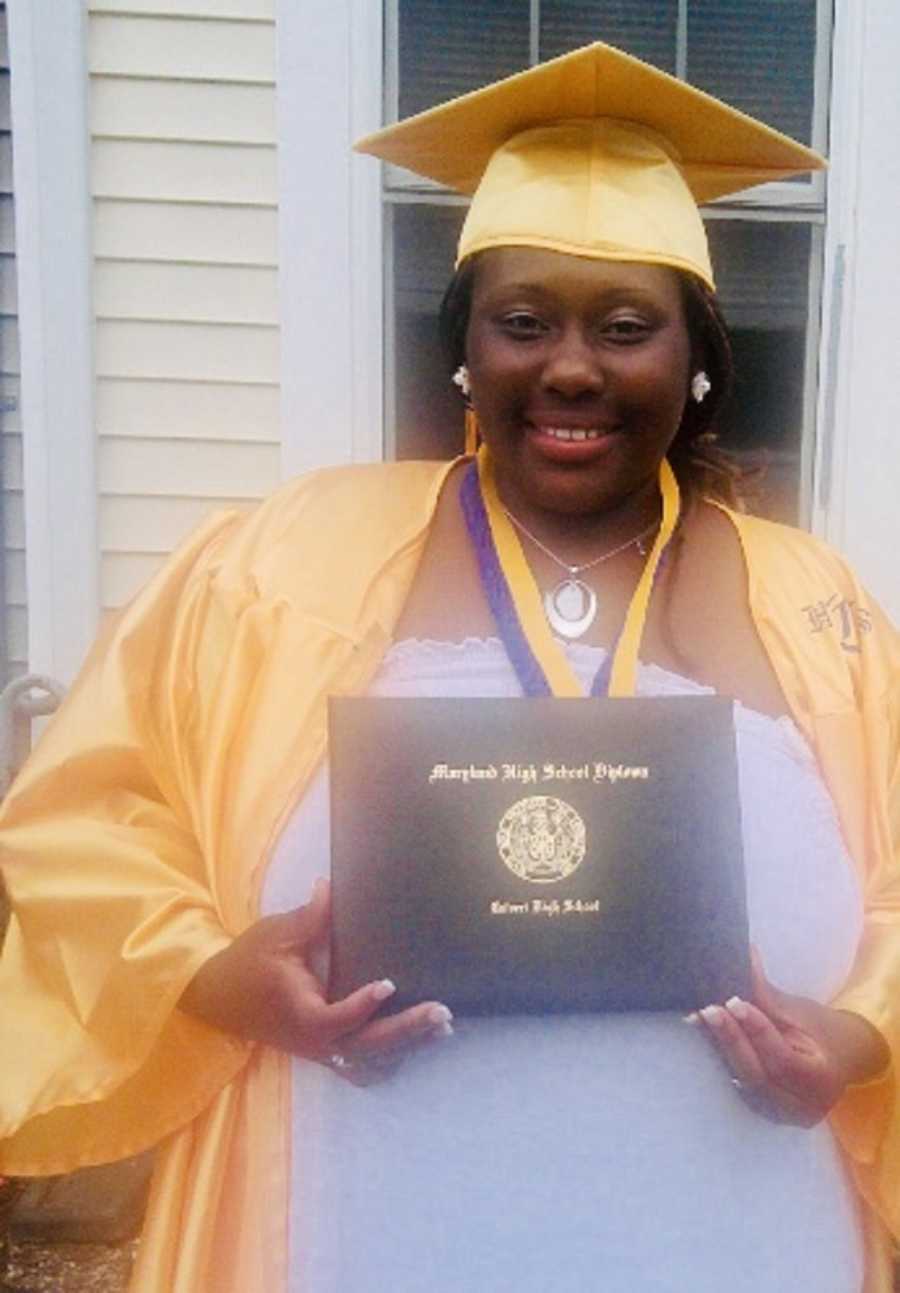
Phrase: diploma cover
[509,856]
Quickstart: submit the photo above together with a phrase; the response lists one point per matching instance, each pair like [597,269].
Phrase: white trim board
[330,260]
[48,58]
[858,469]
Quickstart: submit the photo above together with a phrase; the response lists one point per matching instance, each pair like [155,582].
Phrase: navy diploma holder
[536,855]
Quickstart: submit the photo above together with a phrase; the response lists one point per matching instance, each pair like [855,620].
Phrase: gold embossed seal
[541,839]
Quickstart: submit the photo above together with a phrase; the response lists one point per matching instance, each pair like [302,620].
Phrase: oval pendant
[570,607]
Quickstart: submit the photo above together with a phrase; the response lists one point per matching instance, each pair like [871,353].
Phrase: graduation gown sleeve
[114,905]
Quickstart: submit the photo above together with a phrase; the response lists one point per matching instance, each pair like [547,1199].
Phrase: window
[767,57]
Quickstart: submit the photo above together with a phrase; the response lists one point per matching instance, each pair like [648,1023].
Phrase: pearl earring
[700,386]
[461,379]
[473,433]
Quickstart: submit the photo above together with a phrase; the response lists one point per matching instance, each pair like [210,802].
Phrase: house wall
[183,177]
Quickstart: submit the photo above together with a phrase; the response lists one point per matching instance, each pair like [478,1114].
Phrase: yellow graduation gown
[134,844]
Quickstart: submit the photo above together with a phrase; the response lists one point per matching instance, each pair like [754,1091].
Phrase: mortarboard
[594,154]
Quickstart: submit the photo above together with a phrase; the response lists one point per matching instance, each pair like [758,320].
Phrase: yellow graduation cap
[595,154]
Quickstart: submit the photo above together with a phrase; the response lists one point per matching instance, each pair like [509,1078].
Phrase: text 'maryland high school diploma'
[509,856]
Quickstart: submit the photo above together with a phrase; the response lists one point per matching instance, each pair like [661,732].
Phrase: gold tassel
[470,444]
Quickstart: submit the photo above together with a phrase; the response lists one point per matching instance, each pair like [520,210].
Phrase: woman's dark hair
[702,468]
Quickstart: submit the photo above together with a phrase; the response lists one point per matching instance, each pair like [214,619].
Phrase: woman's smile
[563,442]
[570,435]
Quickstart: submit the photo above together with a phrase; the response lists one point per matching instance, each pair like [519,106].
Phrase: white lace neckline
[487,655]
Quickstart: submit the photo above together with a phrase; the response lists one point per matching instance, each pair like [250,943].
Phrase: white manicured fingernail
[383,989]
[693,1019]
[438,1015]
[737,1007]
[714,1015]
[443,1030]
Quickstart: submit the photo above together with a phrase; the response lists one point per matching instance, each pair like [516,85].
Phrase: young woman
[167,847]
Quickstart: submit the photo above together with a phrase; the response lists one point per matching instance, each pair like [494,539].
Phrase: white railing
[22,700]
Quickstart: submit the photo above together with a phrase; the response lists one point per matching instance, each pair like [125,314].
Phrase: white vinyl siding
[246,9]
[175,44]
[183,175]
[14,653]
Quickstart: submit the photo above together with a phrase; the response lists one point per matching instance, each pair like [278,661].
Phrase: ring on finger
[340,1063]
[361,1064]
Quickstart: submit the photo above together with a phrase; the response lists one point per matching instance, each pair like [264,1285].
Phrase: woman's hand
[261,988]
[790,1057]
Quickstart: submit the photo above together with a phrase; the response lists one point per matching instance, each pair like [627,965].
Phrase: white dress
[580,1153]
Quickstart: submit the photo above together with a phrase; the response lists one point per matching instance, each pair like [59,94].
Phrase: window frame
[808,193]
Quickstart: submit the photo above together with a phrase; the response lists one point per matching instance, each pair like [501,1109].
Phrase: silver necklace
[571,605]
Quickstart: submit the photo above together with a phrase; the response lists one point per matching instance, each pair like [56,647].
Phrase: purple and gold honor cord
[515,601]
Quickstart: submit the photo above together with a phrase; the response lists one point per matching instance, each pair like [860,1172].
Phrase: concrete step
[97,1205]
